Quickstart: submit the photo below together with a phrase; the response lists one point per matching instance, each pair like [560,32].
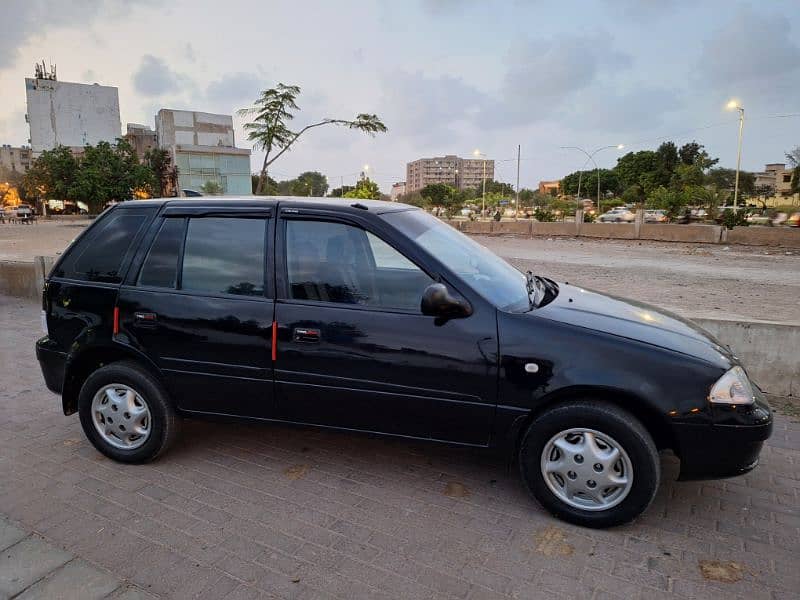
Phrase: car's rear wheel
[590,463]
[126,413]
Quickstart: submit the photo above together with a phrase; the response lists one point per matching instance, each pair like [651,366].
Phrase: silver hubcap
[587,469]
[121,416]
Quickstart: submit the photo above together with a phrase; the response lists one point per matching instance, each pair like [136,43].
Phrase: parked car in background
[620,214]
[378,317]
[655,216]
[759,218]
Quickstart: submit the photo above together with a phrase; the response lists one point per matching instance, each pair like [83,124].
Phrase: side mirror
[438,302]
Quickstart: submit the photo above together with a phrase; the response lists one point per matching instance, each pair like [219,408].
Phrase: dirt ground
[698,280]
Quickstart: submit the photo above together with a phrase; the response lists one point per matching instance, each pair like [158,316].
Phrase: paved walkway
[250,511]
[33,569]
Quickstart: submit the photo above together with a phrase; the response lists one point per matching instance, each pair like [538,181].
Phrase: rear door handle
[304,334]
[145,318]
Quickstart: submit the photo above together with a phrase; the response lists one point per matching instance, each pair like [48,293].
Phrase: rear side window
[102,253]
[160,268]
[225,255]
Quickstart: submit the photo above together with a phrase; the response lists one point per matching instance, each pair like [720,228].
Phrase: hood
[633,320]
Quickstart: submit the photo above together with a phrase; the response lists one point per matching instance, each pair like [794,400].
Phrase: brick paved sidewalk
[32,569]
[249,511]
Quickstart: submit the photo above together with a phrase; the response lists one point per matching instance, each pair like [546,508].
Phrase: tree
[340,191]
[437,194]
[673,201]
[695,154]
[725,179]
[166,174]
[609,182]
[633,194]
[269,130]
[52,174]
[637,168]
[211,188]
[311,183]
[365,189]
[270,188]
[794,160]
[111,172]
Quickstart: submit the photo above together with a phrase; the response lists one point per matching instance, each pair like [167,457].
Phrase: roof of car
[345,204]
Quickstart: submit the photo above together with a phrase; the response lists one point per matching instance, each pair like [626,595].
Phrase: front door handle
[304,334]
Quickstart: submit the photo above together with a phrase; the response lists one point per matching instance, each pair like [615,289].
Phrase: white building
[70,114]
[203,147]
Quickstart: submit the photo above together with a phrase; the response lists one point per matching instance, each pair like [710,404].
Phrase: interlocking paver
[251,511]
[27,561]
[76,580]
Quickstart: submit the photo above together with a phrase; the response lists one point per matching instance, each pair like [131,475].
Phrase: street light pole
[733,104]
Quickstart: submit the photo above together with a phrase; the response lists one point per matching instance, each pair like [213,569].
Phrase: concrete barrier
[769,351]
[453,223]
[706,234]
[19,279]
[568,229]
[620,231]
[512,227]
[764,236]
[480,227]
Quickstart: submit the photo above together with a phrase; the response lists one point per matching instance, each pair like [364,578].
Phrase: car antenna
[359,205]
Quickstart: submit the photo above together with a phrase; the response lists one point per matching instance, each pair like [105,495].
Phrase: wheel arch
[79,366]
[651,419]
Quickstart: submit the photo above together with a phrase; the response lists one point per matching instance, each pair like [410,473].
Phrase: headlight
[732,388]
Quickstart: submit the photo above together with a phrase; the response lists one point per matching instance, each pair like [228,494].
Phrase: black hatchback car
[377,317]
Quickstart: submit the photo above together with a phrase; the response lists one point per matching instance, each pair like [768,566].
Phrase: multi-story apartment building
[15,159]
[550,187]
[398,189]
[461,173]
[776,176]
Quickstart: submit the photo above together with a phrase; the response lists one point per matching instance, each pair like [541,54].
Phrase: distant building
[69,114]
[16,159]
[142,138]
[551,188]
[203,148]
[461,173]
[398,189]
[776,176]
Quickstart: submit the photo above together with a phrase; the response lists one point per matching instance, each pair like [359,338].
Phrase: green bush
[731,218]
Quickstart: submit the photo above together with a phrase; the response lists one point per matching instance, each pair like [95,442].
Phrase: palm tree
[269,130]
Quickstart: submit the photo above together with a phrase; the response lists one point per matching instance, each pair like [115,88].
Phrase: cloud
[25,19]
[235,90]
[155,78]
[620,112]
[753,52]
[429,108]
[543,75]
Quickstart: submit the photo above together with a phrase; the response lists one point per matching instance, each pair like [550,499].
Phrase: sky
[445,76]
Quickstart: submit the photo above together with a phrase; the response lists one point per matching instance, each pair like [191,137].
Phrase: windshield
[488,274]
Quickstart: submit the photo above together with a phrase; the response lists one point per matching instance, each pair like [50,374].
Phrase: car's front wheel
[126,413]
[590,463]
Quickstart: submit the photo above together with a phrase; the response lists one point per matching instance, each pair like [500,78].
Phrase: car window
[344,264]
[224,255]
[99,255]
[160,268]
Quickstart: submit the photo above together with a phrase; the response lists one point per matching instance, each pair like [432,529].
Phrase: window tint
[100,254]
[224,256]
[160,268]
[334,262]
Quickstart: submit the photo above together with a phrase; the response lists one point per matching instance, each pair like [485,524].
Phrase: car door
[200,306]
[354,350]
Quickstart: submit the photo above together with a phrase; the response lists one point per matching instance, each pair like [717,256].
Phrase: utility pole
[516,211]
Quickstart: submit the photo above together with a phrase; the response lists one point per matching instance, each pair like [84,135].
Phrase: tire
[567,426]
[146,417]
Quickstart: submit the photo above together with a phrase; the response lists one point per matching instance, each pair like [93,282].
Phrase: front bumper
[728,446]
[52,363]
